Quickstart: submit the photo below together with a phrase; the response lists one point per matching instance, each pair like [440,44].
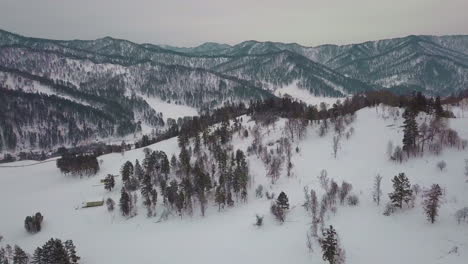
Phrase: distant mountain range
[103,75]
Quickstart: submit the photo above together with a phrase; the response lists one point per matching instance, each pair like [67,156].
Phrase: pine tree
[125,203]
[220,197]
[438,110]
[329,245]
[184,158]
[59,255]
[38,256]
[173,162]
[229,200]
[282,201]
[109,182]
[165,166]
[126,171]
[3,256]
[172,192]
[180,201]
[71,250]
[432,202]
[146,191]
[139,172]
[20,257]
[402,190]
[410,131]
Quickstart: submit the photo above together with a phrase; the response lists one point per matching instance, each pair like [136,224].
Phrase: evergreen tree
[71,250]
[184,158]
[438,110]
[146,192]
[125,203]
[173,162]
[139,172]
[53,251]
[38,256]
[229,200]
[165,166]
[3,256]
[172,192]
[20,257]
[282,201]
[220,197]
[431,202]
[126,171]
[109,182]
[402,190]
[180,201]
[410,131]
[329,245]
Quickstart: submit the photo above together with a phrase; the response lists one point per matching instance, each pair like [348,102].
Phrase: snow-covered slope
[230,236]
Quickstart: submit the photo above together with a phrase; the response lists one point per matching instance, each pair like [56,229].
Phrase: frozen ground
[230,236]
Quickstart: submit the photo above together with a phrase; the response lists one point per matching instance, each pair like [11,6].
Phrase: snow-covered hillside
[230,236]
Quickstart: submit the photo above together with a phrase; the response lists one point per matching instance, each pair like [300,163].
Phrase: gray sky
[192,22]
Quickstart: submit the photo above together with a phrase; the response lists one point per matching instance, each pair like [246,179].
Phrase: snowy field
[170,110]
[229,236]
[305,96]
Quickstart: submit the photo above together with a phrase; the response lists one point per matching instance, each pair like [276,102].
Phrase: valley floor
[230,236]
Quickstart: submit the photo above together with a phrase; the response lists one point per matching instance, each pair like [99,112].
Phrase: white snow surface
[229,236]
[170,110]
[304,95]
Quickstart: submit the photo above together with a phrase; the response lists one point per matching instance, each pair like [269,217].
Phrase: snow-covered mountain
[436,65]
[107,74]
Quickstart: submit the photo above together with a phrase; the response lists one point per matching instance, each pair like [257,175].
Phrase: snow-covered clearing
[170,110]
[230,236]
[304,95]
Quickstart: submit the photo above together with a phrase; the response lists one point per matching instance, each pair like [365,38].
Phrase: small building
[93,204]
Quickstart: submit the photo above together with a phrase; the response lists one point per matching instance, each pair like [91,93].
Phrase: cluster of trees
[55,121]
[54,251]
[80,164]
[280,207]
[32,224]
[206,168]
[334,194]
[430,136]
[404,192]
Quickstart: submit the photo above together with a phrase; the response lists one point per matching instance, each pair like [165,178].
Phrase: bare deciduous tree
[274,168]
[336,145]
[389,149]
[323,178]
[377,189]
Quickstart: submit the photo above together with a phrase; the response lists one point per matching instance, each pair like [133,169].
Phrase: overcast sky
[192,22]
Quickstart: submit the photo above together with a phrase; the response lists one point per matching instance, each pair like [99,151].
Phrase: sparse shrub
[270,196]
[259,191]
[389,209]
[441,165]
[110,204]
[259,221]
[416,189]
[278,212]
[344,191]
[462,215]
[353,200]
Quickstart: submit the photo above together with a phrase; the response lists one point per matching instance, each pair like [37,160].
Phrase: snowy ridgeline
[230,235]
